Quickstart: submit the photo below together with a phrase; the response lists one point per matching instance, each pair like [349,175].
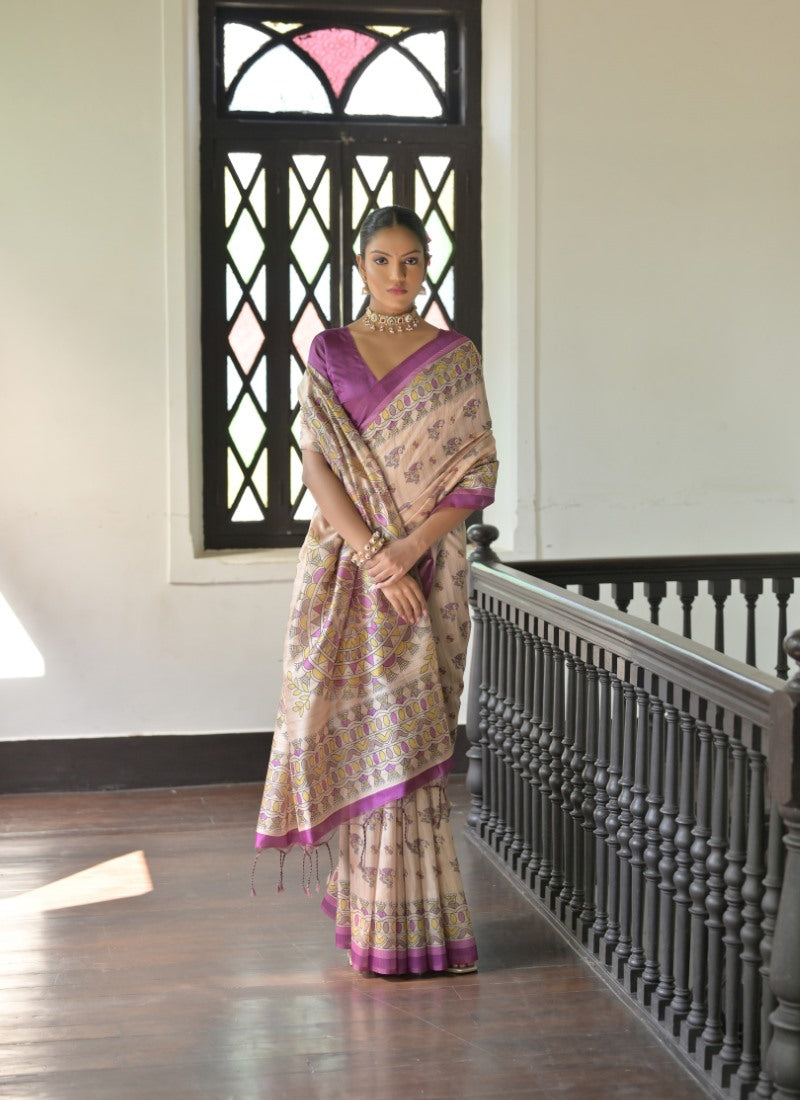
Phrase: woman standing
[397,452]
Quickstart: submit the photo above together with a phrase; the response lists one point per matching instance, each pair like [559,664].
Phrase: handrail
[702,672]
[650,576]
[658,568]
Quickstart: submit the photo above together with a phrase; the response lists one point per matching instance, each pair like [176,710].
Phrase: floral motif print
[414,472]
[392,460]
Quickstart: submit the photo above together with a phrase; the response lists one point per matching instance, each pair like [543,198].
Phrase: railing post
[481,536]
[783,1056]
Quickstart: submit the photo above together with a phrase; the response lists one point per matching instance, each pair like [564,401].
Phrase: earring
[364,289]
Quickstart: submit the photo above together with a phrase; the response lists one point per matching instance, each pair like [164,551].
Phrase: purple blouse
[334,355]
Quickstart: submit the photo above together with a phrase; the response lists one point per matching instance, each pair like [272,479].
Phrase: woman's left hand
[393,562]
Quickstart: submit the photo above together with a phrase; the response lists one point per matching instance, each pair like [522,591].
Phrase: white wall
[641,233]
[655,150]
[84,353]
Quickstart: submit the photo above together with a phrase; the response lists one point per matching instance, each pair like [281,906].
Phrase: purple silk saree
[369,705]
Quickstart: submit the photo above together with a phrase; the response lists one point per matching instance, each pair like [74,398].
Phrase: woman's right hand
[406,597]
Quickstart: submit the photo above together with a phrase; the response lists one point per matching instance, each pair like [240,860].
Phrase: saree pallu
[369,704]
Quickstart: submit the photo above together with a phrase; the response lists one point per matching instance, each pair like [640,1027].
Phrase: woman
[397,452]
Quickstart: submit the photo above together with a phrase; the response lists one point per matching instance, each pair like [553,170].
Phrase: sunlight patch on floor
[126,876]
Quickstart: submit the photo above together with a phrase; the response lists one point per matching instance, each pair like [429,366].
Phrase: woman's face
[393,267]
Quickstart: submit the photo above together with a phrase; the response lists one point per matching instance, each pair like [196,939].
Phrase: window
[310,118]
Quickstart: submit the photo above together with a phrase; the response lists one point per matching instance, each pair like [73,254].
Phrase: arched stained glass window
[366,70]
[310,121]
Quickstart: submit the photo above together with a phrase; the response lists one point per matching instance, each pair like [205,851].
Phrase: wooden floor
[110,989]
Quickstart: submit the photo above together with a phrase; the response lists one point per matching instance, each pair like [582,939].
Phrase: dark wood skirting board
[157,760]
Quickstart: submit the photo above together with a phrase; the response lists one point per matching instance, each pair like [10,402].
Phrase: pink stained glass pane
[337,51]
[305,330]
[246,338]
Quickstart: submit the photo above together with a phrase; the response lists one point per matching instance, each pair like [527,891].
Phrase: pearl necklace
[391,322]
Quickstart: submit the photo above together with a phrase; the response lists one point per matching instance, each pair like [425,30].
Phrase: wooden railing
[646,789]
[658,582]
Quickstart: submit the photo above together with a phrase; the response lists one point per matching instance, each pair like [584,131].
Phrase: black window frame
[459,137]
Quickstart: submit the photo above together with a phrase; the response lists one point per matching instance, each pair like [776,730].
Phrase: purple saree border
[310,837]
[397,379]
[415,960]
[467,498]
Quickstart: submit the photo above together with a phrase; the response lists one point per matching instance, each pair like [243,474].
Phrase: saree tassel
[281,862]
[406,821]
[362,860]
[316,860]
[253,876]
[306,885]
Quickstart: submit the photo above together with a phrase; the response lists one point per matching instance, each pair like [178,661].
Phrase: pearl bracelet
[377,541]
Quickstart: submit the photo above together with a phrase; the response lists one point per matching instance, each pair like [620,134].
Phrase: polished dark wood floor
[111,989]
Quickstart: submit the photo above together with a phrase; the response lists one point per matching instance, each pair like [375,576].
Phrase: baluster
[769,906]
[655,591]
[556,740]
[565,820]
[638,827]
[545,728]
[698,890]
[516,747]
[525,732]
[601,802]
[484,725]
[652,821]
[491,717]
[475,712]
[783,587]
[732,915]
[687,591]
[783,1055]
[622,594]
[588,805]
[667,866]
[612,812]
[681,998]
[715,899]
[577,765]
[752,893]
[507,837]
[535,862]
[719,589]
[625,818]
[499,732]
[751,588]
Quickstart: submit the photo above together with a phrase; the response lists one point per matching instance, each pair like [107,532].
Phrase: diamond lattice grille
[245,306]
[310,293]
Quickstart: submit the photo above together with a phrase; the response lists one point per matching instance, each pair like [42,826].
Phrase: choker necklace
[391,322]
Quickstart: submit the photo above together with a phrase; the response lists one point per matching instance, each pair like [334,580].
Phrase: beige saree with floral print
[369,704]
